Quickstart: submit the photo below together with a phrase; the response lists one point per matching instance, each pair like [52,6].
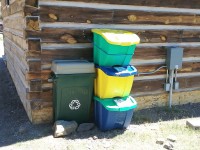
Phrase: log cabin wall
[52,29]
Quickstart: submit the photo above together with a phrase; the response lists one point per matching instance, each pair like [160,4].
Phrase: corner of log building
[39,31]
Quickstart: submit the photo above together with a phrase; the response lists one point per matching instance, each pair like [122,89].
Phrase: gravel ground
[16,132]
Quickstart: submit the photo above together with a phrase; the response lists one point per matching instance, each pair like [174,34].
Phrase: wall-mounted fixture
[173,62]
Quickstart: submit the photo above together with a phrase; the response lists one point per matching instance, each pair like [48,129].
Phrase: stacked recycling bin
[113,51]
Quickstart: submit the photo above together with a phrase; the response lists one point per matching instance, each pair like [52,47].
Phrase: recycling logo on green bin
[74,105]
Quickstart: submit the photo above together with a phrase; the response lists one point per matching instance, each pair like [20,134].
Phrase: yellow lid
[118,37]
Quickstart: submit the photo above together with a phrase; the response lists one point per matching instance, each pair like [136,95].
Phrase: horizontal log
[161,100]
[54,35]
[188,67]
[48,56]
[15,32]
[13,8]
[149,87]
[15,21]
[153,55]
[19,41]
[21,90]
[43,75]
[156,86]
[44,95]
[83,26]
[157,3]
[16,53]
[17,67]
[163,76]
[109,15]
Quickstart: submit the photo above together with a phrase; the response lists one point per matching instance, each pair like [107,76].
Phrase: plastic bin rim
[110,70]
[110,105]
[102,32]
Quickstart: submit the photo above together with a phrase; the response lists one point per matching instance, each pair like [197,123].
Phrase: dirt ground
[16,132]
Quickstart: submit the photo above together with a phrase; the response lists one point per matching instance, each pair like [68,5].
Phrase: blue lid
[121,71]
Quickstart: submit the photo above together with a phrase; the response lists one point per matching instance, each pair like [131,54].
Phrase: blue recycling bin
[114,113]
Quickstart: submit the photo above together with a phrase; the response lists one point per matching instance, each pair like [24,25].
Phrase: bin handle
[51,77]
[50,80]
[133,100]
[119,68]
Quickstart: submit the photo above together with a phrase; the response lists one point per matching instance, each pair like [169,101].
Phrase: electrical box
[167,87]
[174,58]
[176,85]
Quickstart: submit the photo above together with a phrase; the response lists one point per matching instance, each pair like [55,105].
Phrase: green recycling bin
[114,47]
[72,89]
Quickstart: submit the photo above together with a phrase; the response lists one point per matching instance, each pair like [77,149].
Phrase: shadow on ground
[14,123]
[157,114]
[15,126]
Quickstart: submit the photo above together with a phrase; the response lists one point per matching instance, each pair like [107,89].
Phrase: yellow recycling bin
[114,81]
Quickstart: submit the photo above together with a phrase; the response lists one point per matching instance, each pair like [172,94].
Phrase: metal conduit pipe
[171,81]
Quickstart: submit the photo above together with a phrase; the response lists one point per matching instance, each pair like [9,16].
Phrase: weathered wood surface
[19,41]
[179,98]
[156,86]
[15,21]
[49,35]
[102,16]
[13,8]
[157,3]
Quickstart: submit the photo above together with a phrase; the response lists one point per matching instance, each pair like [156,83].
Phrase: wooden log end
[89,21]
[132,18]
[68,38]
[53,16]
[33,25]
[163,38]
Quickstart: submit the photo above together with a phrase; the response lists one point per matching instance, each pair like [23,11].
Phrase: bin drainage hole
[74,104]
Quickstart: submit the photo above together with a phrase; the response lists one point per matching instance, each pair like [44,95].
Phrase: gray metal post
[171,77]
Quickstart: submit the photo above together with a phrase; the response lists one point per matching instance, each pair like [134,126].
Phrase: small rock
[154,127]
[62,128]
[85,127]
[168,145]
[95,137]
[160,141]
[172,138]
[194,124]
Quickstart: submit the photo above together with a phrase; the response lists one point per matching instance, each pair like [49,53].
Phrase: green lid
[118,37]
[118,104]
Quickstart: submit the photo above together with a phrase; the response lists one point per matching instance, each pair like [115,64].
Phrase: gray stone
[85,127]
[63,128]
[172,138]
[160,141]
[195,123]
[95,137]
[168,145]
